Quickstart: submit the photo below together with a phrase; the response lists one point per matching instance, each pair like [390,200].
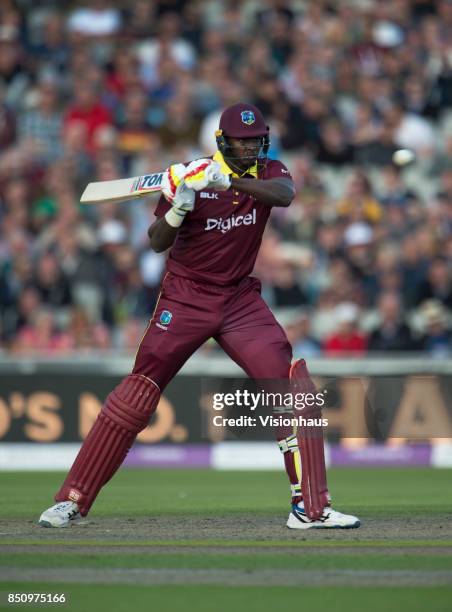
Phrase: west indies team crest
[248,117]
[165,317]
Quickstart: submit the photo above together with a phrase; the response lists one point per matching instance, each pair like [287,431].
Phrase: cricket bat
[121,190]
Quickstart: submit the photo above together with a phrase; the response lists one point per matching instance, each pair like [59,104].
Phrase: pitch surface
[184,538]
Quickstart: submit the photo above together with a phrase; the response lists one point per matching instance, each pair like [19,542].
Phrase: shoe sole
[307,526]
[47,524]
[300,525]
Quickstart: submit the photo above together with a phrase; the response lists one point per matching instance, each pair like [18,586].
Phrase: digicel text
[224,225]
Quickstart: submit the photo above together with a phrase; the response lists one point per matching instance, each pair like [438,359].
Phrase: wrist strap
[174,217]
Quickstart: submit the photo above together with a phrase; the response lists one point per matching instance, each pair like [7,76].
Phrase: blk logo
[208,196]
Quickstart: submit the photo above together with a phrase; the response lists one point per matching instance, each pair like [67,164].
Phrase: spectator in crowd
[41,335]
[334,148]
[414,268]
[437,340]
[89,110]
[298,331]
[366,132]
[181,125]
[392,333]
[445,190]
[7,122]
[123,76]
[438,283]
[52,50]
[84,335]
[140,19]
[20,311]
[347,340]
[359,204]
[394,191]
[166,44]
[94,91]
[135,132]
[442,159]
[358,257]
[15,77]
[286,288]
[50,282]
[42,125]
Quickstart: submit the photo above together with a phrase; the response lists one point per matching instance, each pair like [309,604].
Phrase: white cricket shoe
[60,515]
[330,519]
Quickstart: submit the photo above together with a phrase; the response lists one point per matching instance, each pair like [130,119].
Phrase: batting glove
[206,174]
[218,180]
[172,178]
[181,198]
[183,202]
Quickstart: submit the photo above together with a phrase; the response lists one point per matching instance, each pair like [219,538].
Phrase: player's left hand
[206,174]
[182,203]
[184,198]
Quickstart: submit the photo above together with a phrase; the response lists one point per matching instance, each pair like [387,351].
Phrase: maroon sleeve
[276,169]
[162,207]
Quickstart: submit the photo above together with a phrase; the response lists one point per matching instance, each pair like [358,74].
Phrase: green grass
[386,494]
[170,492]
[246,561]
[299,542]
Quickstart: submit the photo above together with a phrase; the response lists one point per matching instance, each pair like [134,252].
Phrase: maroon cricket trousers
[186,315]
[236,317]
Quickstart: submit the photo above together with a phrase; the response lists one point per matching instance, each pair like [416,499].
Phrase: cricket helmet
[243,121]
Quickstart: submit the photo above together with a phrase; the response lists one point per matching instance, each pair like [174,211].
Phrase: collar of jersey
[225,169]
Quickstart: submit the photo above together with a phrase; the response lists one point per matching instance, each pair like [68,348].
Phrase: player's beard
[241,164]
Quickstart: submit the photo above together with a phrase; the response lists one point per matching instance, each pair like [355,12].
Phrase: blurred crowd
[360,262]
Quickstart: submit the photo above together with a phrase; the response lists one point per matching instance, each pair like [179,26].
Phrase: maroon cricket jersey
[219,240]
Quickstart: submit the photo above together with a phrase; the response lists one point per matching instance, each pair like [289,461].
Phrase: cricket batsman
[212,214]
